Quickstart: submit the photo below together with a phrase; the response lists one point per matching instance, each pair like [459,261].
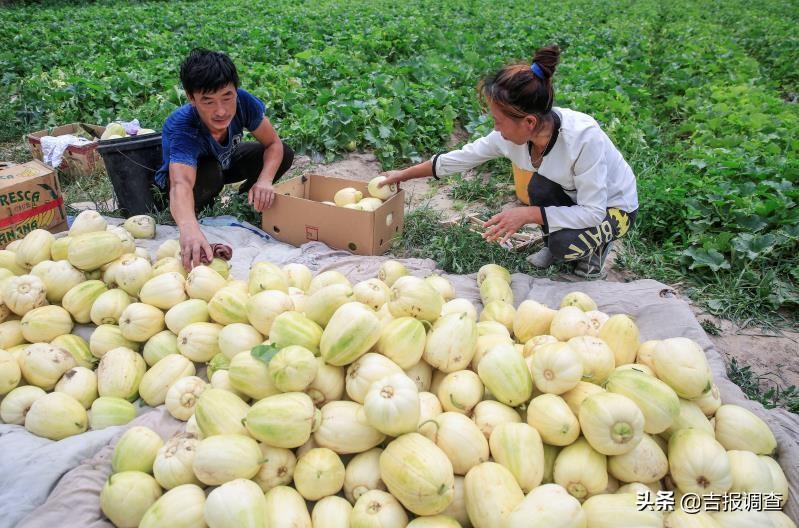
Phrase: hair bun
[547,59]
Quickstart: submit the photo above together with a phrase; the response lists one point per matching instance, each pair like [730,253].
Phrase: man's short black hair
[205,71]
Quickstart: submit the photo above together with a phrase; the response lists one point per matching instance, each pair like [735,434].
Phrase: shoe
[542,258]
[593,266]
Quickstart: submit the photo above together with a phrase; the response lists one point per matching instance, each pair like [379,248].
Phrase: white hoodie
[583,161]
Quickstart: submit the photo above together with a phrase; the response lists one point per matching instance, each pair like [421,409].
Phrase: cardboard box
[297,216]
[77,161]
[30,198]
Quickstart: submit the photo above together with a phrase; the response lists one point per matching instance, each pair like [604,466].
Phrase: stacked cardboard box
[30,198]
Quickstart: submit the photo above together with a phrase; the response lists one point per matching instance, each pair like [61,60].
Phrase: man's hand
[261,195]
[501,226]
[192,246]
[394,176]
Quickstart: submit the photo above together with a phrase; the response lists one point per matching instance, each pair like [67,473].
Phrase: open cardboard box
[298,216]
[77,160]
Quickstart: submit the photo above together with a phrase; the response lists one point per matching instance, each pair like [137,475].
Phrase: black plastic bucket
[131,163]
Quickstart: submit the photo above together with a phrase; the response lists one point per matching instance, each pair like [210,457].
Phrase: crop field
[700,96]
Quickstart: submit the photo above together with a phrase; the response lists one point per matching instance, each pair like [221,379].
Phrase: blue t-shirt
[185,139]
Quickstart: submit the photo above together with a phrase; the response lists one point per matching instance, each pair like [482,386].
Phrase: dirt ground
[774,357]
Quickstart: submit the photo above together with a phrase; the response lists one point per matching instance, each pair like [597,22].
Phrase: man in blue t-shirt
[203,148]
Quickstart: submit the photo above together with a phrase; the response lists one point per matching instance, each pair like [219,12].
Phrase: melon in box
[299,215]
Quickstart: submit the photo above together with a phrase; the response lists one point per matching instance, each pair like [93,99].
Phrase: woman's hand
[392,177]
[501,226]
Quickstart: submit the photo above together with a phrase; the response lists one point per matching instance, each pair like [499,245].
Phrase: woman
[581,190]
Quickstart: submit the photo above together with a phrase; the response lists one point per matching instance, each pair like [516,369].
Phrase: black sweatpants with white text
[575,244]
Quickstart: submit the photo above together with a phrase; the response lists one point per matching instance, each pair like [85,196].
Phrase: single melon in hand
[385,192]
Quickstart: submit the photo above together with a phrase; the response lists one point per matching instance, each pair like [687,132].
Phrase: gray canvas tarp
[45,484]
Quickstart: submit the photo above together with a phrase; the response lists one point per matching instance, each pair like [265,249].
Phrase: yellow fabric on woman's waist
[521,179]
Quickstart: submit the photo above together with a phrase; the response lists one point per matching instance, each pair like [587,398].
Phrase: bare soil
[773,356]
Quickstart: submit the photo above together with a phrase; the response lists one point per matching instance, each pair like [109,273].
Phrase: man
[203,148]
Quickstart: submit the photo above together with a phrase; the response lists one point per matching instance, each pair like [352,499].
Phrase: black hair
[522,89]
[205,71]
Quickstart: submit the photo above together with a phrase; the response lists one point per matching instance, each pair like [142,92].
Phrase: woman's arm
[590,180]
[501,226]
[422,170]
[469,156]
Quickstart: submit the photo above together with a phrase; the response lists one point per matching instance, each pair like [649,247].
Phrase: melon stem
[621,432]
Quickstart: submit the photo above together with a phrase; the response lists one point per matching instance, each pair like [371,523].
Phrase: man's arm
[181,204]
[262,194]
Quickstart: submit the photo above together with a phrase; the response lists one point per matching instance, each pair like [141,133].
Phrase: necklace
[536,160]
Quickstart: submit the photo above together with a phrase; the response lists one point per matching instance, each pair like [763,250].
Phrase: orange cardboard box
[297,216]
[30,198]
[77,160]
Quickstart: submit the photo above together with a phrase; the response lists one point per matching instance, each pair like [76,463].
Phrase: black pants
[245,165]
[575,244]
